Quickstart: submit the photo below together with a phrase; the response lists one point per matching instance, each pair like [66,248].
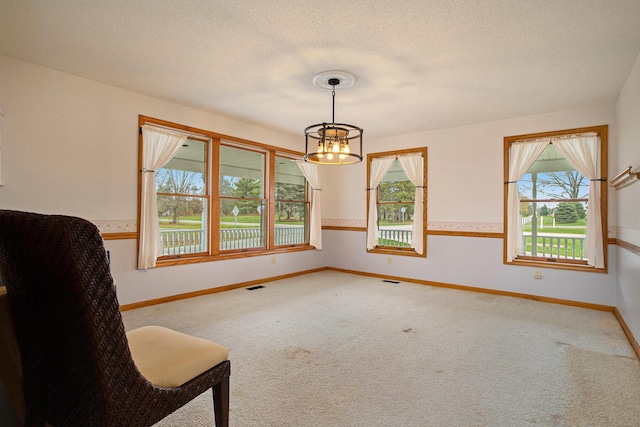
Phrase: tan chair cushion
[168,358]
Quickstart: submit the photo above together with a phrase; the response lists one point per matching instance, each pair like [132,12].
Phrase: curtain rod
[551,138]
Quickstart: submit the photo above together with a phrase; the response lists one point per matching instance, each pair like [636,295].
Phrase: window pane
[395,224]
[291,220]
[553,229]
[291,223]
[559,228]
[552,176]
[395,215]
[242,224]
[185,173]
[241,172]
[395,186]
[183,223]
[290,182]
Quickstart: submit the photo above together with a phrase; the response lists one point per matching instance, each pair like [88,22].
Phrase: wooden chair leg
[221,402]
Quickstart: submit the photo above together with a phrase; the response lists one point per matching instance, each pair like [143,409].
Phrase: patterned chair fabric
[77,367]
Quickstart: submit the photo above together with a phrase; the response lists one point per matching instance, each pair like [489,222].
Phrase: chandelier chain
[333,108]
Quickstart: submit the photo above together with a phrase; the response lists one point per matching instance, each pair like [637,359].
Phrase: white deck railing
[394,237]
[556,246]
[175,242]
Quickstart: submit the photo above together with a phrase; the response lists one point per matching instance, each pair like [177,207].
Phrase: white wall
[471,261]
[628,198]
[70,146]
[134,285]
[465,166]
[465,192]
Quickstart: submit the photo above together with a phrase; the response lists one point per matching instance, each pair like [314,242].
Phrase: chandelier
[333,143]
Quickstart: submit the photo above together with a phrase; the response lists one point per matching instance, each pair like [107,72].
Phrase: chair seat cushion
[168,358]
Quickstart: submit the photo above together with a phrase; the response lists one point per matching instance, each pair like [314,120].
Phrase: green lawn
[578,227]
[381,222]
[246,219]
[167,224]
[194,222]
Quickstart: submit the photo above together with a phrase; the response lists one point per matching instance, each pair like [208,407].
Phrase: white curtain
[378,169]
[413,167]
[311,172]
[158,147]
[521,156]
[583,152]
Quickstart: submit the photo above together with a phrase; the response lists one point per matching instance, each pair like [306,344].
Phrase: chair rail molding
[116,226]
[628,235]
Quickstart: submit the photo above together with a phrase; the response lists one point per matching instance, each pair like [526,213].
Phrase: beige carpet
[333,349]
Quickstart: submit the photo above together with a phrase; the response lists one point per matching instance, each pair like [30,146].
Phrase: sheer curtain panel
[158,147]
[521,156]
[311,172]
[413,167]
[378,169]
[583,152]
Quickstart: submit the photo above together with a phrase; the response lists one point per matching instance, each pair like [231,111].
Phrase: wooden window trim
[213,197]
[390,250]
[559,263]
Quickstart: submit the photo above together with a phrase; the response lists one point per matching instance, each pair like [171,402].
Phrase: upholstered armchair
[77,364]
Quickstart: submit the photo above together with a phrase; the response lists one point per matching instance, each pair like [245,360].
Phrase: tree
[526,209]
[544,210]
[569,183]
[396,191]
[226,186]
[566,213]
[247,188]
[582,213]
[179,182]
[286,191]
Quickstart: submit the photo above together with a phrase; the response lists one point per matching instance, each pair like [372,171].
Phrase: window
[291,204]
[555,199]
[183,200]
[214,196]
[396,200]
[242,199]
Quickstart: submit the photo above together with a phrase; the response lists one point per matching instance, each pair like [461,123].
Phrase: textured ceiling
[420,65]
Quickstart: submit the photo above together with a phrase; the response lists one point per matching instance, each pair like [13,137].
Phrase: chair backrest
[66,314]
[10,365]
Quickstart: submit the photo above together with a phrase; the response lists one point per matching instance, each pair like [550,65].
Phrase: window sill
[559,265]
[397,251]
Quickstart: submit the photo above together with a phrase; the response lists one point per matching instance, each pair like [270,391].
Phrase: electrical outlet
[389,260]
[537,274]
[273,260]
